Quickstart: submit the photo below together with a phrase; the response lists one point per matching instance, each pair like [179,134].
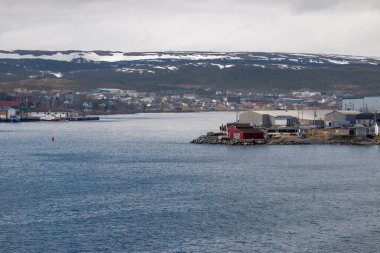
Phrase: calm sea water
[135,184]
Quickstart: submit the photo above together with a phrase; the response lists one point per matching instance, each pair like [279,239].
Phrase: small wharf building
[10,110]
[359,130]
[245,132]
[367,119]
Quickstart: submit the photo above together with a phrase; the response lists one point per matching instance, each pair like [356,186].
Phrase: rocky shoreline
[205,139]
[338,140]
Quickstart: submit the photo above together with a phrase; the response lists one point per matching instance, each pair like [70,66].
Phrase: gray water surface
[134,183]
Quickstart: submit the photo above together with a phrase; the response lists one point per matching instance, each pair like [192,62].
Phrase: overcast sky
[303,26]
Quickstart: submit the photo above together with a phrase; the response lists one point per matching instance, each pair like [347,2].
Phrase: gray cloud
[319,26]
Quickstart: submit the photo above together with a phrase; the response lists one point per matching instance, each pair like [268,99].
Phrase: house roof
[348,112]
[10,103]
[239,124]
[359,126]
[283,117]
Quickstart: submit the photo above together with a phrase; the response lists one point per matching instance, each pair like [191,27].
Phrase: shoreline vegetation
[290,140]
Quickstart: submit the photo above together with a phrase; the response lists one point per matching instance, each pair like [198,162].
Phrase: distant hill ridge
[115,56]
[76,69]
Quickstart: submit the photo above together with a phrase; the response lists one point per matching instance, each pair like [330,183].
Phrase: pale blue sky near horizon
[301,26]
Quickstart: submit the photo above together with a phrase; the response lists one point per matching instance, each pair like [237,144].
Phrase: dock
[35,119]
[83,118]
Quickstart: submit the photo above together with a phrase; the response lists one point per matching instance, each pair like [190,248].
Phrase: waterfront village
[355,123]
[301,116]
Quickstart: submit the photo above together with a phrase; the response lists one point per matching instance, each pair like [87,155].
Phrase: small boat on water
[14,119]
[48,117]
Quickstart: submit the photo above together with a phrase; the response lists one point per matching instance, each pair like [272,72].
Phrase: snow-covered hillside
[116,56]
[154,70]
[258,58]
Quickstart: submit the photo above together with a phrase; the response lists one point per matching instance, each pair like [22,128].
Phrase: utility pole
[332,123]
[298,116]
[376,125]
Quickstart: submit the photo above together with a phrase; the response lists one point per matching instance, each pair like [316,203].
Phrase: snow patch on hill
[135,70]
[285,66]
[220,66]
[340,62]
[259,66]
[168,67]
[51,73]
[316,61]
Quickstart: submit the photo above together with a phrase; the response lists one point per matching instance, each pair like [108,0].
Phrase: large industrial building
[318,118]
[283,118]
[366,104]
[341,118]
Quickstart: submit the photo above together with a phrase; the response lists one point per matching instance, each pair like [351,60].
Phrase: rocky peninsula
[218,138]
